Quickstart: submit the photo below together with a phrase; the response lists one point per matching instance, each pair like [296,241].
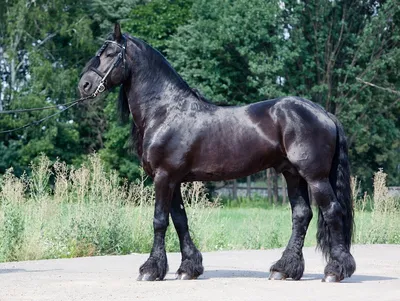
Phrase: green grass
[50,230]
[271,228]
[88,212]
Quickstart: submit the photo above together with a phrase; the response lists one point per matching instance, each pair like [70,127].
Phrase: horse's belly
[225,162]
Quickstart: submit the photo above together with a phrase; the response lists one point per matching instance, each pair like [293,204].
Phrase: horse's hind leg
[332,229]
[191,266]
[291,264]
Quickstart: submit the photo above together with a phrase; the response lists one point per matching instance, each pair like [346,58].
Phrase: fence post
[275,185]
[269,185]
[312,201]
[284,190]
[249,187]
[234,189]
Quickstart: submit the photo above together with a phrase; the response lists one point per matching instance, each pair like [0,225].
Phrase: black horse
[182,138]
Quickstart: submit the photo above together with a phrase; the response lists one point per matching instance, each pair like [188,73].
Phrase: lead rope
[100,89]
[37,122]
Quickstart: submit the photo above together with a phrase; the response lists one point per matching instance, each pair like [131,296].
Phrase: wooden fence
[274,189]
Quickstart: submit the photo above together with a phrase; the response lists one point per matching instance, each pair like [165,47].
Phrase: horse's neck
[152,102]
[156,89]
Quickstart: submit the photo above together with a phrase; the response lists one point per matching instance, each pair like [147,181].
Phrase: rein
[100,89]
[37,122]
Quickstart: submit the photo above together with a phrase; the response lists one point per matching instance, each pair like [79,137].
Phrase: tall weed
[60,211]
[377,219]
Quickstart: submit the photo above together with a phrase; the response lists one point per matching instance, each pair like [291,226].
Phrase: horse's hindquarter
[234,142]
[308,136]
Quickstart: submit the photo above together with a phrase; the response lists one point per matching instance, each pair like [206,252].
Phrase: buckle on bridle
[101,88]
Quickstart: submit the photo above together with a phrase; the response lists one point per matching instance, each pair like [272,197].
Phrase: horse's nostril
[86,86]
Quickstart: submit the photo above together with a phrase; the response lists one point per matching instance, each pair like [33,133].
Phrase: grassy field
[89,212]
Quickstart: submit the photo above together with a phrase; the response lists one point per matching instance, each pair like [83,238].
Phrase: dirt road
[233,275]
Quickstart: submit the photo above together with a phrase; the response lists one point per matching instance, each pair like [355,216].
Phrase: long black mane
[152,68]
[150,65]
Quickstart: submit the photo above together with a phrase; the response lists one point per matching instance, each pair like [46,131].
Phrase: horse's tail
[340,180]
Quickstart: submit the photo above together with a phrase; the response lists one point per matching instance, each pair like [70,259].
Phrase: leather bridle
[120,58]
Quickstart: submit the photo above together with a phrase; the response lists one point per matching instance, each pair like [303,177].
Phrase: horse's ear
[117,32]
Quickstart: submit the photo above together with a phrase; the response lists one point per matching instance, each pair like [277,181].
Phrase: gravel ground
[230,275]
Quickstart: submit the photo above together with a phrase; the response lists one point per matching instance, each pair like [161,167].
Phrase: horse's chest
[147,167]
[154,155]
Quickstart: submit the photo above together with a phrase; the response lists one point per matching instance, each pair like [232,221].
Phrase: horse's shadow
[212,274]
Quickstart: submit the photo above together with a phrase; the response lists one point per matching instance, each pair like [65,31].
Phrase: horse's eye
[109,54]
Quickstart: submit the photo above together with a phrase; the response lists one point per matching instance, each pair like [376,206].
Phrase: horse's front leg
[191,266]
[156,266]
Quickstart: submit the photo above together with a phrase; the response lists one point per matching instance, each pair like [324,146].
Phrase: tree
[334,43]
[233,51]
[105,13]
[44,44]
[156,21]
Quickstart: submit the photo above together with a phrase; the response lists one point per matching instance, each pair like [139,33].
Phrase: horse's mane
[162,67]
[200,96]
[159,61]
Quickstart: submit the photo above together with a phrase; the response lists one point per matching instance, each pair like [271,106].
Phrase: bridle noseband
[121,57]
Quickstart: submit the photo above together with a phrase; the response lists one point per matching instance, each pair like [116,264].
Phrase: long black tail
[340,180]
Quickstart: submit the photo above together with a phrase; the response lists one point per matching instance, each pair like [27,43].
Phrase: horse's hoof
[183,276]
[331,278]
[146,277]
[277,276]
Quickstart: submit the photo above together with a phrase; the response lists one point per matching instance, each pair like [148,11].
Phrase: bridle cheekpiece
[121,57]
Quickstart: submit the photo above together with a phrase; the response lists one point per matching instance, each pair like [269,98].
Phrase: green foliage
[105,13]
[156,21]
[44,44]
[232,51]
[334,43]
[118,152]
[12,231]
[235,52]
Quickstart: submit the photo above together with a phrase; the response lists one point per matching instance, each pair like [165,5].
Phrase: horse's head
[108,68]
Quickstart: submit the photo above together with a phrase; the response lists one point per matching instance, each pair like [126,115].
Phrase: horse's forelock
[94,62]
